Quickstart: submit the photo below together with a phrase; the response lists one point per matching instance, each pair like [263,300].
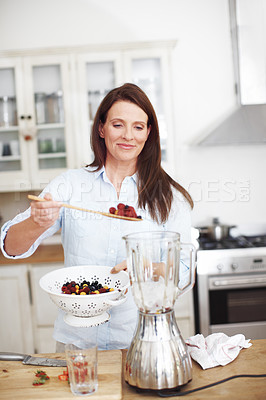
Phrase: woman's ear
[101,133]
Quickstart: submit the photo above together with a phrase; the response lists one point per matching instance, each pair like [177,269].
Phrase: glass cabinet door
[48,127]
[147,74]
[100,80]
[149,70]
[49,116]
[98,74]
[10,155]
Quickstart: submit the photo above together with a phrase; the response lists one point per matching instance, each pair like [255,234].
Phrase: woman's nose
[127,133]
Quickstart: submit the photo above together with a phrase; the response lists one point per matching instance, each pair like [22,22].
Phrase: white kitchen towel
[216,349]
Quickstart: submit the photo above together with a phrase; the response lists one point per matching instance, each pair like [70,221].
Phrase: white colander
[89,310]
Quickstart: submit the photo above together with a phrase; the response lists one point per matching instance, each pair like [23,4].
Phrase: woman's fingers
[45,213]
[119,267]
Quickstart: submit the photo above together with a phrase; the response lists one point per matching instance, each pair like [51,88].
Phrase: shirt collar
[102,172]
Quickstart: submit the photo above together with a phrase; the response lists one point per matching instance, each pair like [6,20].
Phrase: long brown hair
[154,184]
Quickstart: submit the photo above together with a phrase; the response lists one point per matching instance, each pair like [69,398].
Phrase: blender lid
[152,235]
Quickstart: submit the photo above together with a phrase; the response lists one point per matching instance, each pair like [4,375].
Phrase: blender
[157,358]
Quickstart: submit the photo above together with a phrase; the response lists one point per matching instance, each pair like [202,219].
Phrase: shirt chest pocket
[87,236]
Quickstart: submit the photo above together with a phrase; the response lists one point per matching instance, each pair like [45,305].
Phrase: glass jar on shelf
[40,108]
[55,108]
[94,99]
[8,111]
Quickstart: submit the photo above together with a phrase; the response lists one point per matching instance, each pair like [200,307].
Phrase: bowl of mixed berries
[85,293]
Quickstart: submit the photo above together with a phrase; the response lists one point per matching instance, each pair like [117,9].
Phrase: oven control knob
[234,266]
[220,267]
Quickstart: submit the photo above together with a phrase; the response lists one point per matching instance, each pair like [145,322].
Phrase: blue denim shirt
[92,239]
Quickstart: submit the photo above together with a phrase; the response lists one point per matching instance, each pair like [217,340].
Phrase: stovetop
[240,242]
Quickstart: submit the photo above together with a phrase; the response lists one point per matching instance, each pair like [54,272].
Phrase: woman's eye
[139,128]
[117,125]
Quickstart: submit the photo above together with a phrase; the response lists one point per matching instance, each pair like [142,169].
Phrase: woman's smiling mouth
[125,146]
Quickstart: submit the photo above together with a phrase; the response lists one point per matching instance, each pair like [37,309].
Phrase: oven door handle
[248,282]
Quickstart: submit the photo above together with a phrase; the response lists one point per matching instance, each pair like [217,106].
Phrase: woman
[126,169]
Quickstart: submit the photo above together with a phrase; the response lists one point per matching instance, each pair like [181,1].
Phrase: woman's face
[125,132]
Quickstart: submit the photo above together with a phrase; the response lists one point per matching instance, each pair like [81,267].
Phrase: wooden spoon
[35,198]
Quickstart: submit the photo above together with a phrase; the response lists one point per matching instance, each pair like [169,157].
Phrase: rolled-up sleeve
[19,218]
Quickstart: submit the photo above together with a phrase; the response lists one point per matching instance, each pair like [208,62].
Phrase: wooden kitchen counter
[249,361]
[16,379]
[44,254]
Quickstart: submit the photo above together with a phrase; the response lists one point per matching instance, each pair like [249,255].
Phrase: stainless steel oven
[231,291]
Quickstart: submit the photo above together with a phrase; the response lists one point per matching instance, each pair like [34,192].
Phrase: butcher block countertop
[45,253]
[16,379]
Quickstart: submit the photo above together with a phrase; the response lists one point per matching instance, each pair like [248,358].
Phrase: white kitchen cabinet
[27,313]
[251,56]
[16,333]
[43,309]
[48,99]
[35,121]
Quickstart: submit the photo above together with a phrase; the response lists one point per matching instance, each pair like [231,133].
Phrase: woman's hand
[22,235]
[119,267]
[45,213]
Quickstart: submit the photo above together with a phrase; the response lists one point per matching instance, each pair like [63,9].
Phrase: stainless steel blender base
[157,358]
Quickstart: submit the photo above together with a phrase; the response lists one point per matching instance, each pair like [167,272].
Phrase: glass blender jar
[157,357]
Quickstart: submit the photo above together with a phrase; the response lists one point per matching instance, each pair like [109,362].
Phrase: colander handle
[123,288]
[116,302]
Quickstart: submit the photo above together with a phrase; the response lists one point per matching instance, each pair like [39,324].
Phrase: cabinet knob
[22,117]
[29,117]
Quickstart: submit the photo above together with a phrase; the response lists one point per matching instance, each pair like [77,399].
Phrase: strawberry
[37,382]
[120,206]
[112,210]
[42,378]
[41,373]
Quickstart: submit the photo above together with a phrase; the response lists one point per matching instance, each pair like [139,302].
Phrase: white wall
[224,181]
